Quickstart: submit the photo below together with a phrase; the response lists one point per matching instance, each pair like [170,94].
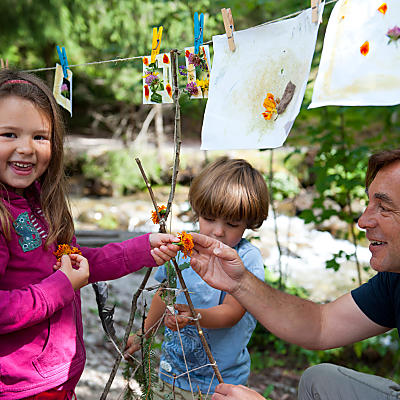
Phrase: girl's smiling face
[25,147]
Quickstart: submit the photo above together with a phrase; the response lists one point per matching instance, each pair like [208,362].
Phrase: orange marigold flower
[364,49]
[187,53]
[161,210]
[146,91]
[168,88]
[145,61]
[65,249]
[165,59]
[270,106]
[383,8]
[186,241]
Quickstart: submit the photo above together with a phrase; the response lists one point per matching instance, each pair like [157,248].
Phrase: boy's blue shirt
[227,345]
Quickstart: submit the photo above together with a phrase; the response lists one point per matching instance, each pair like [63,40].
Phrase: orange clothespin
[315,10]
[229,27]
[156,43]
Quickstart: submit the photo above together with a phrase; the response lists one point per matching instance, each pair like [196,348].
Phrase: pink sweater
[41,341]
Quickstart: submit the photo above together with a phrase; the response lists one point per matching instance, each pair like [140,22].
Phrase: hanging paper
[62,88]
[256,92]
[157,78]
[360,60]
[197,71]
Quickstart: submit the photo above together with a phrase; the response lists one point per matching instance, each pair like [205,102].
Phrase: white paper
[203,76]
[267,57]
[59,80]
[346,76]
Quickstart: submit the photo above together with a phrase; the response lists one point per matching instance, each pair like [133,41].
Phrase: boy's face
[227,232]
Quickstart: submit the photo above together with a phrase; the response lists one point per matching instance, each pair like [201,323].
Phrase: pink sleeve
[22,308]
[118,259]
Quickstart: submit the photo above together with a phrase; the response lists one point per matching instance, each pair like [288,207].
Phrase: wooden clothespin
[156,43]
[229,27]
[315,10]
[198,31]
[63,60]
[4,64]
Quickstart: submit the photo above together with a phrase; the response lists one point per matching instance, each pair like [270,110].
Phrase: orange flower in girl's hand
[186,241]
[65,249]
[161,210]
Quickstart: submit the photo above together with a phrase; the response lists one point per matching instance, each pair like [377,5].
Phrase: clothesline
[115,60]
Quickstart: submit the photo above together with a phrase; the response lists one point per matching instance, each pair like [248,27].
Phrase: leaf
[184,265]
[156,97]
[286,98]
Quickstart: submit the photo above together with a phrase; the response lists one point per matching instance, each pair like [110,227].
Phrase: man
[369,310]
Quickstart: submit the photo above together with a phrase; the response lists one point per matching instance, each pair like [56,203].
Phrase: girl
[41,348]
[227,197]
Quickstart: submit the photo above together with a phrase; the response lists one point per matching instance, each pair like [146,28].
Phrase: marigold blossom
[65,249]
[186,241]
[187,53]
[165,59]
[146,91]
[168,88]
[364,49]
[270,106]
[161,210]
[383,8]
[145,61]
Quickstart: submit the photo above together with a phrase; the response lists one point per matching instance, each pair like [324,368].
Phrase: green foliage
[119,169]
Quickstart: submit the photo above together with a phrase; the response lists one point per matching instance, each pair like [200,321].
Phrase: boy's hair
[53,183]
[232,190]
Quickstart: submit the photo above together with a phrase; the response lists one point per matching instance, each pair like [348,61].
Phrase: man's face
[381,219]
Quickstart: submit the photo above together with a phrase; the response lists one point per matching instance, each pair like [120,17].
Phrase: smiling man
[367,311]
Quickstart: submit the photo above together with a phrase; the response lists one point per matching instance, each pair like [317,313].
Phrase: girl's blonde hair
[53,199]
[232,190]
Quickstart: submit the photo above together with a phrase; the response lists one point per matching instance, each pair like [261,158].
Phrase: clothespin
[198,31]
[315,10]
[156,43]
[63,60]
[4,64]
[229,27]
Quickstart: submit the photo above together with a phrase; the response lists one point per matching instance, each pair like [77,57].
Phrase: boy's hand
[183,317]
[162,248]
[235,392]
[132,345]
[76,268]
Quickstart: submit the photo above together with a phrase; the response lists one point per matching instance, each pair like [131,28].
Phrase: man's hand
[219,265]
[225,391]
[162,248]
[76,268]
[132,345]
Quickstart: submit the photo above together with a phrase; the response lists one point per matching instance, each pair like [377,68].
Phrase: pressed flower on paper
[270,106]
[364,49]
[165,59]
[65,249]
[161,210]
[186,241]
[168,88]
[383,8]
[192,89]
[65,90]
[393,34]
[203,84]
[145,61]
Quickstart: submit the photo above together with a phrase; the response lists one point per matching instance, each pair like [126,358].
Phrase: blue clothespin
[63,60]
[198,31]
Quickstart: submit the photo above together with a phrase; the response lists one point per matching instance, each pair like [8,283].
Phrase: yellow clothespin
[156,43]
[229,27]
[315,10]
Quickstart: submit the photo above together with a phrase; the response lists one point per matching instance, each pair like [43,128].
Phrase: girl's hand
[76,268]
[181,319]
[235,392]
[132,345]
[162,248]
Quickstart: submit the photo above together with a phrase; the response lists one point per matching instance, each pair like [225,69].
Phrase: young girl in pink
[42,354]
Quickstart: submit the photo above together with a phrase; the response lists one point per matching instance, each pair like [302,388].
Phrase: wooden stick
[197,323]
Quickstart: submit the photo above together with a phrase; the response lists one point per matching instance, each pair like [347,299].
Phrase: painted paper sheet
[360,62]
[157,80]
[62,88]
[246,85]
[198,71]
